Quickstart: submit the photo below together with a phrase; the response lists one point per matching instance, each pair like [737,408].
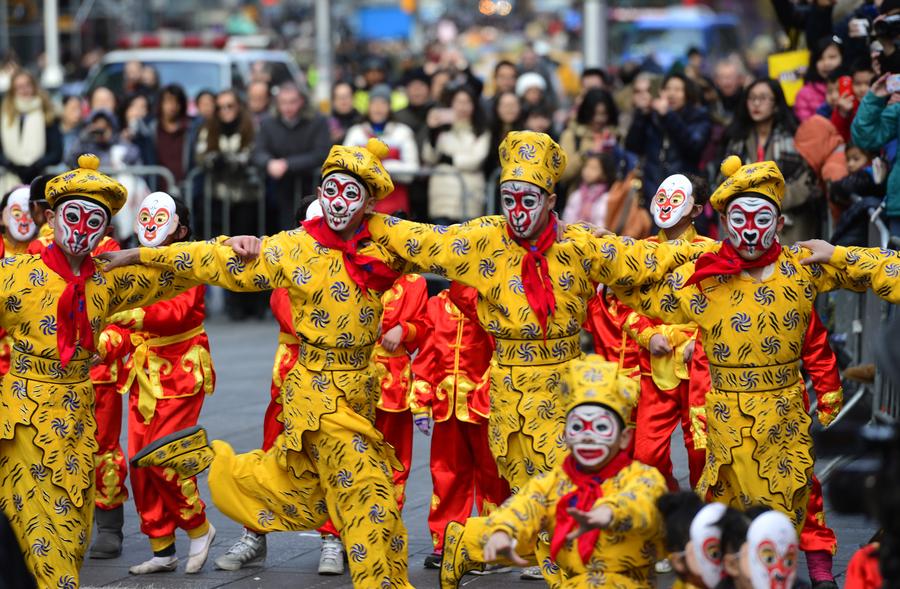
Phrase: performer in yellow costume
[330,459]
[533,288]
[599,505]
[752,301]
[54,306]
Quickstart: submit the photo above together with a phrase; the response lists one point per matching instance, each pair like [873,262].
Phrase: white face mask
[156,219]
[706,542]
[752,225]
[79,225]
[343,199]
[674,199]
[523,205]
[17,216]
[592,432]
[772,549]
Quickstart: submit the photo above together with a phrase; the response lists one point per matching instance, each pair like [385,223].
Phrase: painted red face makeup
[591,433]
[343,200]
[752,225]
[523,205]
[674,199]
[772,549]
[706,544]
[79,226]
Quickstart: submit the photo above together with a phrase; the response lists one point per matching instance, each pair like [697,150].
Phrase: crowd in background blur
[624,131]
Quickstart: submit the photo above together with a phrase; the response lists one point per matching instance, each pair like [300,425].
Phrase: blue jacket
[874,126]
[671,144]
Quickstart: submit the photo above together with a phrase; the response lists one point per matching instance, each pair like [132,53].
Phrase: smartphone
[845,86]
[893,83]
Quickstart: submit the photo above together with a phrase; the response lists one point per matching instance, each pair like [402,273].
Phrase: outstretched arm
[667,300]
[854,268]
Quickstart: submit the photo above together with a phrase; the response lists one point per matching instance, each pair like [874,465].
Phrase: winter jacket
[456,149]
[670,144]
[874,126]
[810,98]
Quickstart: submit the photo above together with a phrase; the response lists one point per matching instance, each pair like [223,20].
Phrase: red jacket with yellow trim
[403,306]
[452,368]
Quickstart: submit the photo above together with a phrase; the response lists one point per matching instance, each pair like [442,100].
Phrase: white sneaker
[249,551]
[663,567]
[331,561]
[157,564]
[200,551]
[532,574]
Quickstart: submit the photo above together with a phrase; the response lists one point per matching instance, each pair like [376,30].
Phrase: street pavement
[242,354]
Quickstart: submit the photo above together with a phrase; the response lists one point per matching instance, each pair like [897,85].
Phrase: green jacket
[874,126]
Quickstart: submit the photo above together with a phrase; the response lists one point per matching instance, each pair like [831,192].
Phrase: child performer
[598,505]
[451,390]
[169,374]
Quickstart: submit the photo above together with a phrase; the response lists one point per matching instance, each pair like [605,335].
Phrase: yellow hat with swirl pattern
[88,183]
[592,379]
[531,157]
[761,178]
[364,163]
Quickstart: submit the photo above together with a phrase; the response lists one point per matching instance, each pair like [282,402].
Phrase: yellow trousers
[52,530]
[343,471]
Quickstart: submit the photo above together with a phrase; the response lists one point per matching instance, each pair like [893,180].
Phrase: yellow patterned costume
[759,448]
[625,552]
[330,459]
[47,425]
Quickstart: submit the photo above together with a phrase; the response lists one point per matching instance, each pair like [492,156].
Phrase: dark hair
[245,125]
[607,163]
[691,92]
[126,104]
[734,525]
[863,64]
[496,124]
[479,125]
[589,103]
[204,92]
[694,50]
[701,189]
[595,71]
[305,203]
[678,511]
[783,116]
[69,97]
[812,73]
[505,63]
[39,188]
[342,83]
[176,92]
[184,218]
[865,152]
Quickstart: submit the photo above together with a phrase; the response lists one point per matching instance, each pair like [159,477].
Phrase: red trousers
[463,473]
[110,467]
[658,413]
[397,429]
[164,501]
[271,426]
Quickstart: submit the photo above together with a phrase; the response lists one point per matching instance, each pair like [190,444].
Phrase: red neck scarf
[535,277]
[587,491]
[728,261]
[73,324]
[367,272]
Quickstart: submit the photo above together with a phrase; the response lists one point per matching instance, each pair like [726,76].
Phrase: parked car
[195,69]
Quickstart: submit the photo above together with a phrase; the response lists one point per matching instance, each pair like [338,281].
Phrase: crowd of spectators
[623,133]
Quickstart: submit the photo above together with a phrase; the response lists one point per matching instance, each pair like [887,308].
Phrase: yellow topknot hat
[364,163]
[86,182]
[531,157]
[594,380]
[762,178]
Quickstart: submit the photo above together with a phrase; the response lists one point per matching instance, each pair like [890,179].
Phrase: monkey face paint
[79,225]
[156,219]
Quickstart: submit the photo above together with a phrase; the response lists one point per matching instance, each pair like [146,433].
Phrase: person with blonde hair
[29,132]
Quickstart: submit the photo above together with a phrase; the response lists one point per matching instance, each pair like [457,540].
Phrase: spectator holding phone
[851,89]
[876,124]
[458,142]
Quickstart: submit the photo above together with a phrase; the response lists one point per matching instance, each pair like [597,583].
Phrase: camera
[887,27]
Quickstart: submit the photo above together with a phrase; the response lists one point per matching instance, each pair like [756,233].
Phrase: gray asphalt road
[243,354]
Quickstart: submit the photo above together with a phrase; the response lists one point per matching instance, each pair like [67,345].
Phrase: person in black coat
[669,133]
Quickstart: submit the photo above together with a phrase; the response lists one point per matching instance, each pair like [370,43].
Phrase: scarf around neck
[73,324]
[535,276]
[727,260]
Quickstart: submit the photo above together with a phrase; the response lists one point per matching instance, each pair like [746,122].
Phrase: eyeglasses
[762,99]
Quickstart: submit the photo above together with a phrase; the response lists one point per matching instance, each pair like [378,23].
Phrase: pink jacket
[809,99]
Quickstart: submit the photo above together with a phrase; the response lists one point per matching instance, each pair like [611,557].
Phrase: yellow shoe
[186,451]
[455,562]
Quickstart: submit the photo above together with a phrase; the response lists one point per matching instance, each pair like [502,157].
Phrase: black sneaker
[824,585]
[433,561]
